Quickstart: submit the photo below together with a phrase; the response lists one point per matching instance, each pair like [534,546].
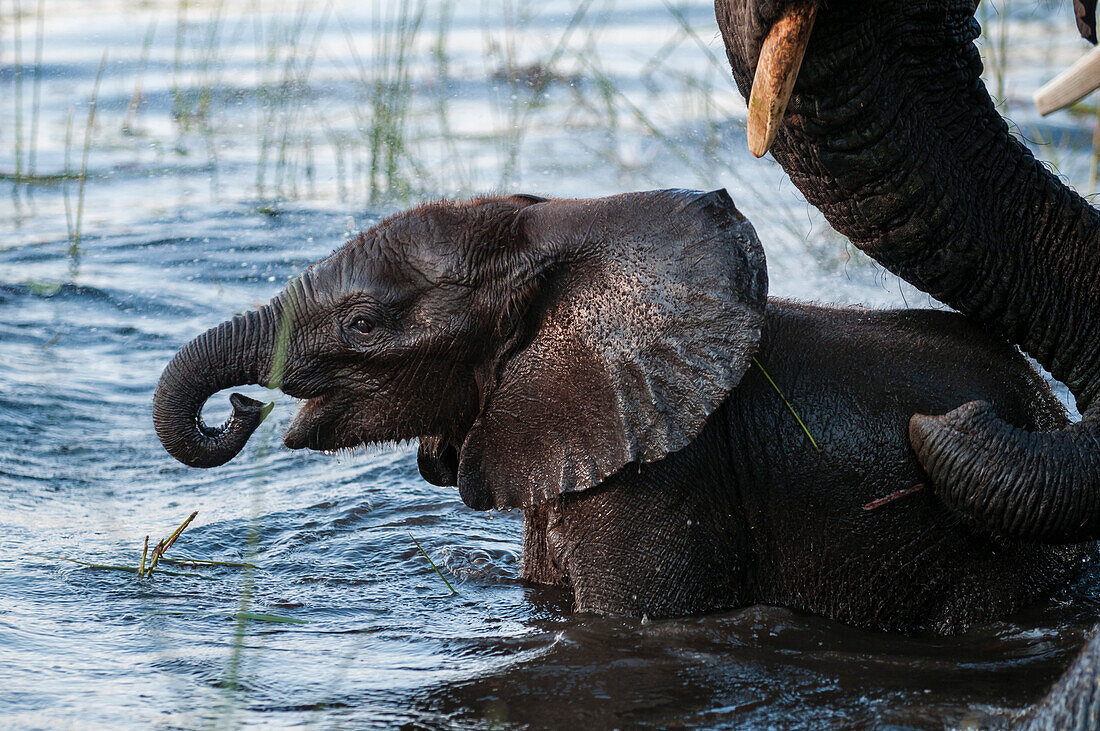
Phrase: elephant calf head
[534,346]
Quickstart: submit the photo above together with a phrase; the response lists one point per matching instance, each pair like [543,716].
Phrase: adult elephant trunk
[235,353]
[892,134]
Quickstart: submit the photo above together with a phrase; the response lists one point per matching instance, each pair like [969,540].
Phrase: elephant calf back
[752,512]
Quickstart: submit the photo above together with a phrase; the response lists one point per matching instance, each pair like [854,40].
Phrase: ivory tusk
[776,71]
[1070,86]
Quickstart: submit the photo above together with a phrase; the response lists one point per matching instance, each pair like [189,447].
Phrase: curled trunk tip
[235,353]
[1040,486]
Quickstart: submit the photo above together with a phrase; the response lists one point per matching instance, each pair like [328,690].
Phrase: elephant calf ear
[647,313]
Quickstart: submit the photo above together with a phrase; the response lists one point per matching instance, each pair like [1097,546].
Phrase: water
[179,234]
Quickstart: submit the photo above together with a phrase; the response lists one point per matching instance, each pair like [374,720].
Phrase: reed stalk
[75,227]
[136,98]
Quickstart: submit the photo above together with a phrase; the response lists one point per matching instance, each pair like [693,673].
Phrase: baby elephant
[614,368]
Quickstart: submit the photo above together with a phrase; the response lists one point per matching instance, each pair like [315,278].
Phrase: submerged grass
[145,569]
[117,567]
[239,616]
[196,562]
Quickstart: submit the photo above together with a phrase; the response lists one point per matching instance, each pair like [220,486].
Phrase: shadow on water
[764,667]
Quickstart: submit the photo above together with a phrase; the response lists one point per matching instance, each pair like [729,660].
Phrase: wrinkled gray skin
[891,133]
[589,363]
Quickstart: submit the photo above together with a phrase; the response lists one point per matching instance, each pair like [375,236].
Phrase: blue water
[82,475]
[176,239]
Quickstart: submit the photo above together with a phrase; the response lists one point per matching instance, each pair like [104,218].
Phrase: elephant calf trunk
[235,353]
[1042,486]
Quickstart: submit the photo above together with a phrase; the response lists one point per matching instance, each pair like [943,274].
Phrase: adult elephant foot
[1074,701]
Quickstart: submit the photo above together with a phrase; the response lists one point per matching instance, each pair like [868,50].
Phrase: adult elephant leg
[1074,701]
[892,134]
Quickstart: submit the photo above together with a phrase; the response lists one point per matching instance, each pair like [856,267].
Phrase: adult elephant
[892,134]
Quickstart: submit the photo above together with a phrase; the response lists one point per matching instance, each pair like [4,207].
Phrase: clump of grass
[149,563]
[163,546]
[26,140]
[387,87]
[284,65]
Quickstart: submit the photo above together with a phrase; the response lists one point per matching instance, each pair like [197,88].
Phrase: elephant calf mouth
[438,461]
[316,426]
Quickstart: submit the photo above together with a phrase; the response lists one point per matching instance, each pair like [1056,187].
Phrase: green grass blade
[144,556]
[788,403]
[89,564]
[425,555]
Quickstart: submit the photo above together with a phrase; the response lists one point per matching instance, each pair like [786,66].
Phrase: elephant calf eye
[362,325]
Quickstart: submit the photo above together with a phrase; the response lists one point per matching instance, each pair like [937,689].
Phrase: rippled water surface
[179,229]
